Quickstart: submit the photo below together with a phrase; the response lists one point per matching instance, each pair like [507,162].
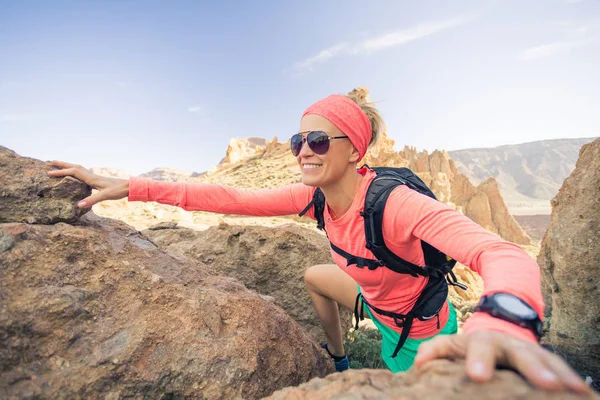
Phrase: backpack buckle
[398,323]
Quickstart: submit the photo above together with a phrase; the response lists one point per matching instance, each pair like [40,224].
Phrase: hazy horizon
[138,85]
[396,146]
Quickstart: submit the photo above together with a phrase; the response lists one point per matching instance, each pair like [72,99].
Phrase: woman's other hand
[484,350]
[108,188]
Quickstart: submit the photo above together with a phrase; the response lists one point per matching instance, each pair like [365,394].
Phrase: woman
[334,135]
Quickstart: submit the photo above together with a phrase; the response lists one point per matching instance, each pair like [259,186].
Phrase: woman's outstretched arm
[285,200]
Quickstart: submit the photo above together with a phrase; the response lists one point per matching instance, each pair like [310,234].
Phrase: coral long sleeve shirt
[408,218]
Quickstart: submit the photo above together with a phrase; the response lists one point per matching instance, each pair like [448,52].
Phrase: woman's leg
[329,286]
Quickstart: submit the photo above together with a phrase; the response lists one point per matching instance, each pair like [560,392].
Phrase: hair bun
[360,95]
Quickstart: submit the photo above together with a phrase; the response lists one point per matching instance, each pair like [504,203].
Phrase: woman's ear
[354,156]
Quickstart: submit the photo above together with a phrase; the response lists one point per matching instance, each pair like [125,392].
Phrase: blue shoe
[341,363]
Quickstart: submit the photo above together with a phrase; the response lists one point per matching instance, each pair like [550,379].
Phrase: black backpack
[438,266]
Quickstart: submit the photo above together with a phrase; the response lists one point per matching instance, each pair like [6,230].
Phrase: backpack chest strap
[360,262]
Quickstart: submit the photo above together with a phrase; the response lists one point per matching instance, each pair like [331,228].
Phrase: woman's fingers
[483,350]
[62,164]
[115,189]
[73,170]
[89,201]
[62,172]
[529,360]
[481,357]
[447,346]
[565,373]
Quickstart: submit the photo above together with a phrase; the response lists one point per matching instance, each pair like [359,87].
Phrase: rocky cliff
[239,149]
[570,262]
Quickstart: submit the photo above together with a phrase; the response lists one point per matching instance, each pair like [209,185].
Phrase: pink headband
[348,117]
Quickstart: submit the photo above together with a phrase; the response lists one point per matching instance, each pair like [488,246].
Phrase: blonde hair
[361,97]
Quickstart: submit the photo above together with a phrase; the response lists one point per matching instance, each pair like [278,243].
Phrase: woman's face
[324,169]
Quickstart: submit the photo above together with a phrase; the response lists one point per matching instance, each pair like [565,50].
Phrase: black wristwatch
[512,309]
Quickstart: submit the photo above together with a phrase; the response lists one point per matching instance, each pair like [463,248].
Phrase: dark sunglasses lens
[318,142]
[296,144]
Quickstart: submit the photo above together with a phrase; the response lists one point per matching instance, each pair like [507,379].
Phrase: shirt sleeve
[285,200]
[503,266]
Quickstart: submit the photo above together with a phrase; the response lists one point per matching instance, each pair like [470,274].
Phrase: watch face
[515,306]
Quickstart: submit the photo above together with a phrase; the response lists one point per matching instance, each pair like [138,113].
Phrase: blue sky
[144,84]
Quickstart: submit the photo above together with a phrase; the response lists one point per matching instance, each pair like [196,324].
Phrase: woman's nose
[305,150]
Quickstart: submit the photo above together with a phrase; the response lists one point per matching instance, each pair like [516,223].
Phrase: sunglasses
[318,142]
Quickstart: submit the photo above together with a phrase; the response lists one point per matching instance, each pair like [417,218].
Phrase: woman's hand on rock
[484,350]
[108,188]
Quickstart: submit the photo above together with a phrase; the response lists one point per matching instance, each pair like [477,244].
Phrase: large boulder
[570,263]
[95,310]
[438,379]
[270,260]
[27,195]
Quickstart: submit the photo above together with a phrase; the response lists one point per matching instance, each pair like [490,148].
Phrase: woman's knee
[313,276]
[330,281]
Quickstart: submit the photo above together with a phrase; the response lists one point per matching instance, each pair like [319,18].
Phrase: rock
[271,261]
[438,379]
[239,149]
[28,194]
[163,225]
[96,310]
[570,263]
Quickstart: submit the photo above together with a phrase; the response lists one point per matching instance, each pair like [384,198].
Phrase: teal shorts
[406,356]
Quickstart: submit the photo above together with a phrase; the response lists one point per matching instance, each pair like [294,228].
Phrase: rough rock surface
[271,261]
[96,310]
[436,380]
[570,262]
[27,195]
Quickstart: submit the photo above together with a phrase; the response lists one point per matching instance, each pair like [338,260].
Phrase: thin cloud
[575,36]
[195,109]
[382,42]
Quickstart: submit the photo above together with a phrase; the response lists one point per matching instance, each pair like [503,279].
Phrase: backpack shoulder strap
[377,195]
[318,201]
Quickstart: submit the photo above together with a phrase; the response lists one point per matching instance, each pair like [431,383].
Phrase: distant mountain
[167,174]
[528,174]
